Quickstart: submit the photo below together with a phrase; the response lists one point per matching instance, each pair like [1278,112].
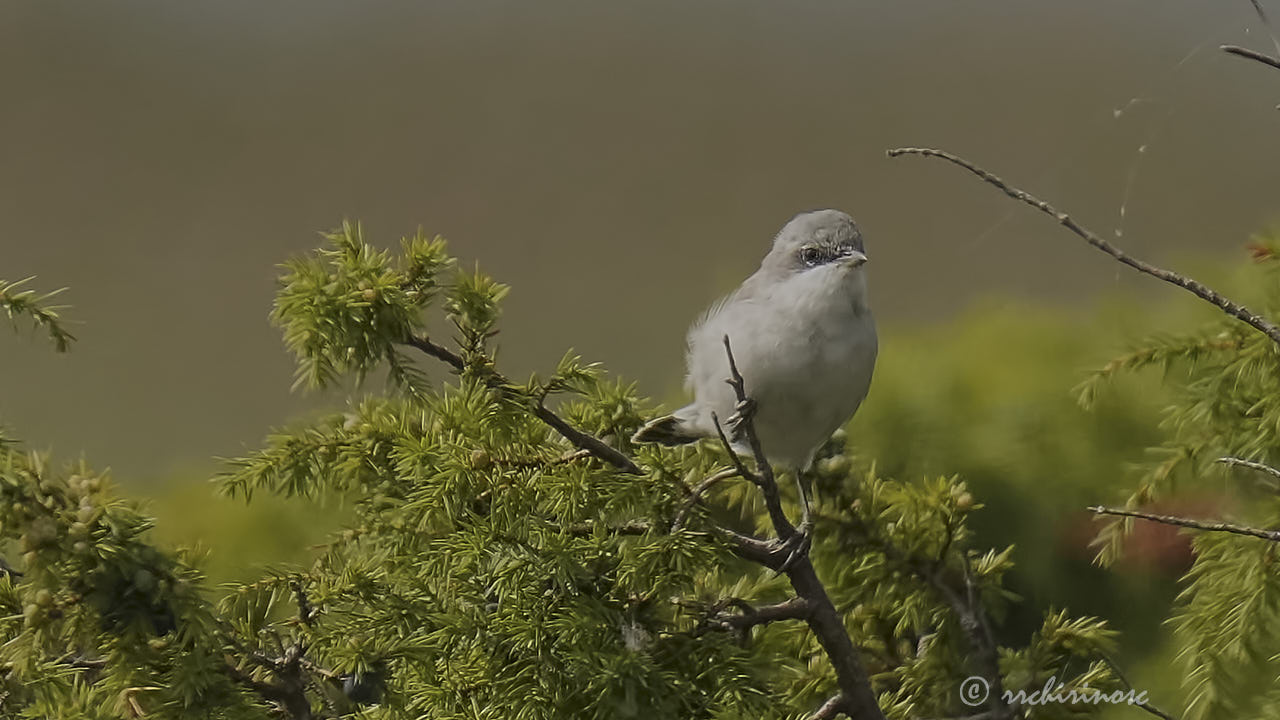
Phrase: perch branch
[496,380]
[1213,297]
[763,476]
[856,698]
[829,709]
[1272,535]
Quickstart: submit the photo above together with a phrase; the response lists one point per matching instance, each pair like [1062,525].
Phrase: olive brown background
[620,164]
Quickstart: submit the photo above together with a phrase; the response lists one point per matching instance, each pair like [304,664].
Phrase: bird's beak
[854,259]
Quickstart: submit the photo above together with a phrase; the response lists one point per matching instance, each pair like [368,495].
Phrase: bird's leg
[798,544]
[804,486]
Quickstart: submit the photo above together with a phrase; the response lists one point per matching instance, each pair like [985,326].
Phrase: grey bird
[803,339]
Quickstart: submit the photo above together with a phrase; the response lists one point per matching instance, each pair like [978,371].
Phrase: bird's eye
[810,256]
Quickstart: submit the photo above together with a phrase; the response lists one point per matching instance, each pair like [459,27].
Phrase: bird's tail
[667,430]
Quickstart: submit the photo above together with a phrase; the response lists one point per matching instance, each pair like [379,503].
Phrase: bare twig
[1251,464]
[695,495]
[1152,709]
[1272,535]
[751,548]
[1251,55]
[772,500]
[1266,22]
[496,380]
[1213,297]
[796,608]
[739,385]
[588,529]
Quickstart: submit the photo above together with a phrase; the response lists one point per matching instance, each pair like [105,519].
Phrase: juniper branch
[1208,526]
[15,302]
[1213,297]
[495,380]
[960,596]
[290,698]
[975,623]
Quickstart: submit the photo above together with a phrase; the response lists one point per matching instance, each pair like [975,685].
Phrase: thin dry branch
[1251,55]
[1251,464]
[588,529]
[1208,526]
[1213,297]
[494,379]
[749,616]
[695,495]
[1124,680]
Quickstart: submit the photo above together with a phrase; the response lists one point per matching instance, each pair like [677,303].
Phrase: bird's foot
[796,547]
[743,412]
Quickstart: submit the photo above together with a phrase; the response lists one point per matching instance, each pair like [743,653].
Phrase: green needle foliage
[500,565]
[17,302]
[1226,404]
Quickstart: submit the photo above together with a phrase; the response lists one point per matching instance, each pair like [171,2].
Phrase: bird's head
[821,241]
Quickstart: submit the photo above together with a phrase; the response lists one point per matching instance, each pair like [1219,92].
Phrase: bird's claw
[744,411]
[797,547]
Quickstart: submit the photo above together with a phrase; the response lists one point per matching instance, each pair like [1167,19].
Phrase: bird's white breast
[806,350]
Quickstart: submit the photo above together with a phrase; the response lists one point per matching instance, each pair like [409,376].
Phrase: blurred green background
[621,165]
